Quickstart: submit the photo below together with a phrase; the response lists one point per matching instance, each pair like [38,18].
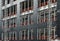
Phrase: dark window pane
[42,1]
[8,1]
[3,2]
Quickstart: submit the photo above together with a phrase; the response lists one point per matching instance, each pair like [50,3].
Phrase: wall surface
[58,18]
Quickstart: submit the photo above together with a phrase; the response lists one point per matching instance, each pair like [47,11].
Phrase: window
[42,34]
[39,3]
[30,19]
[8,35]
[3,2]
[8,23]
[13,35]
[42,3]
[11,23]
[53,15]
[26,34]
[53,1]
[26,20]
[8,1]
[14,22]
[21,21]
[22,5]
[3,11]
[20,35]
[46,2]
[30,4]
[8,11]
[0,37]
[26,5]
[13,10]
[14,0]
[43,16]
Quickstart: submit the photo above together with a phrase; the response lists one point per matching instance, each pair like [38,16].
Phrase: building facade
[27,20]
[58,19]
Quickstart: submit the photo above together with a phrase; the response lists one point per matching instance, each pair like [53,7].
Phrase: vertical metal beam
[18,17]
[49,21]
[35,14]
[35,9]
[18,14]
[5,31]
[5,22]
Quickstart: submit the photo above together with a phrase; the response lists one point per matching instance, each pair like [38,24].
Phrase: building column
[35,15]
[18,18]
[18,13]
[5,31]
[49,22]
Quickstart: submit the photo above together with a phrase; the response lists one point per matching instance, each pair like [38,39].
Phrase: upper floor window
[12,35]
[24,20]
[3,11]
[13,9]
[53,1]
[3,2]
[26,5]
[42,16]
[3,23]
[14,0]
[8,1]
[11,22]
[8,11]
[42,1]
